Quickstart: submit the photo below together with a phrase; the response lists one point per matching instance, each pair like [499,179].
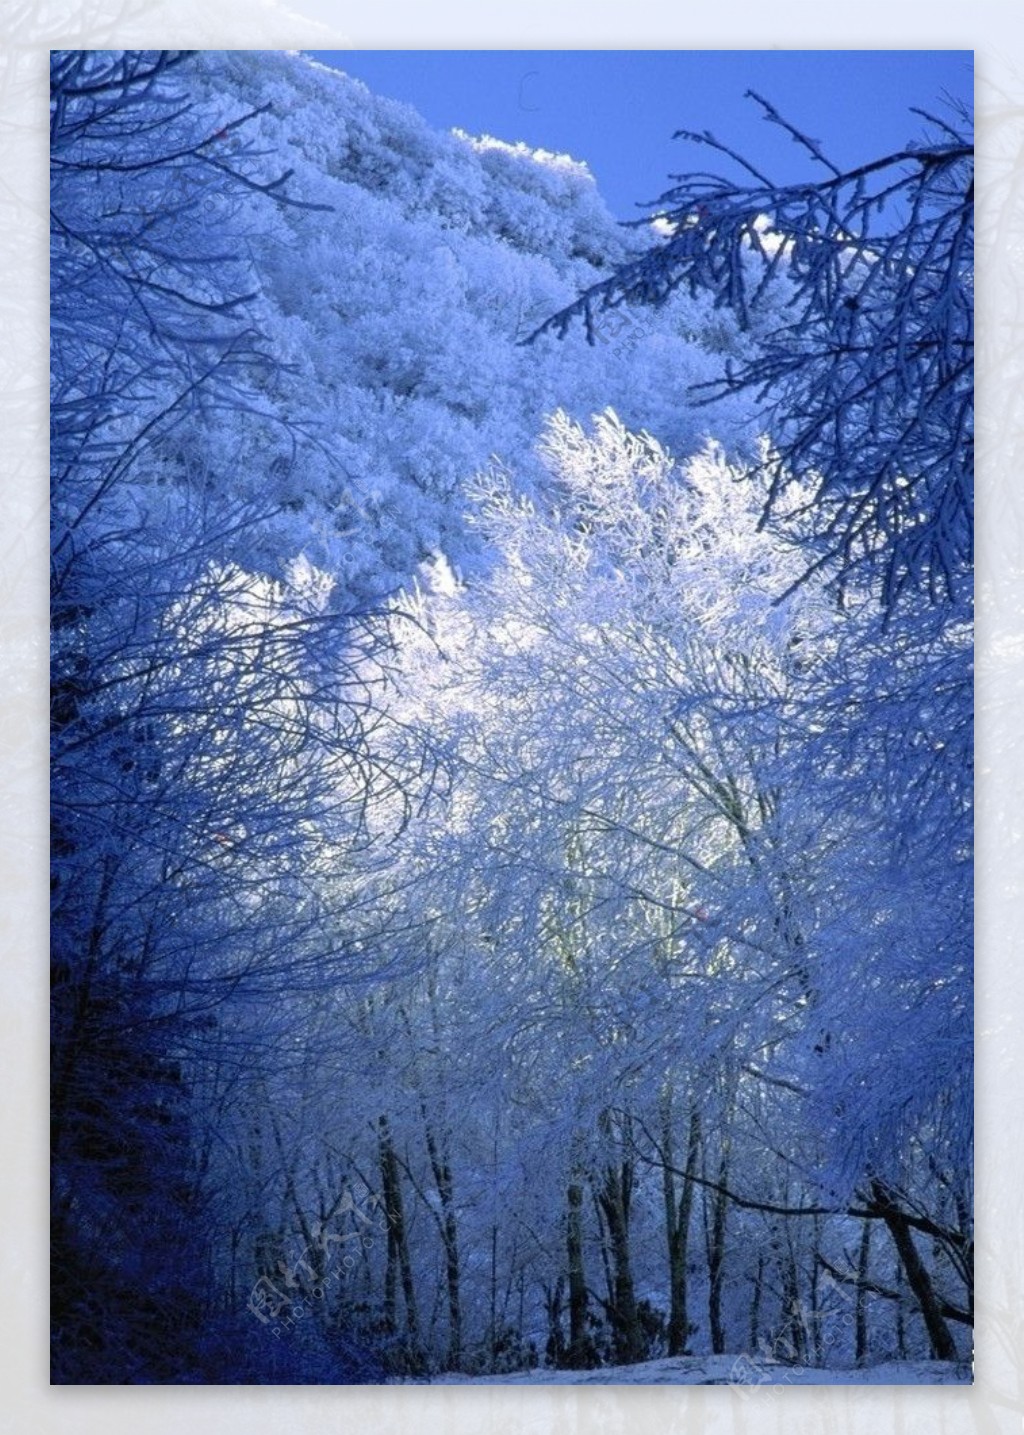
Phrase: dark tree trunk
[901,1326]
[943,1345]
[399,1265]
[796,1341]
[615,1202]
[614,1198]
[716,1256]
[578,1355]
[553,1311]
[442,1173]
[677,1228]
[755,1304]
[817,1343]
[860,1306]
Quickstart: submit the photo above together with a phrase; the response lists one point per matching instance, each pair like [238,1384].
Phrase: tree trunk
[437,1150]
[901,1328]
[494,1295]
[578,1354]
[860,1305]
[450,1240]
[614,1199]
[794,1347]
[399,1265]
[555,1348]
[677,1227]
[943,1345]
[716,1255]
[817,1342]
[755,1304]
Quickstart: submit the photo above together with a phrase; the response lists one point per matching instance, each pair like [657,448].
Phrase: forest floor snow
[738,1370]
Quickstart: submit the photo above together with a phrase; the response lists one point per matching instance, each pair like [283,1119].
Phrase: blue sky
[618,109]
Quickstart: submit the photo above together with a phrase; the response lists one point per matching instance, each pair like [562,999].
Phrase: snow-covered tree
[209,725]
[866,380]
[667,807]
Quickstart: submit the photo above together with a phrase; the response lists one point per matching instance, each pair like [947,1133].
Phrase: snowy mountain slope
[402,310]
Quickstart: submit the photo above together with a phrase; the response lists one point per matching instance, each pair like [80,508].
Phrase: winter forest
[511,732]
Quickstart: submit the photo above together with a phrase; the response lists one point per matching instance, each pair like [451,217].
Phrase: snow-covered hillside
[403,308]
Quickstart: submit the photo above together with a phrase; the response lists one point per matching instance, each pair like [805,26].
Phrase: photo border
[996,1402]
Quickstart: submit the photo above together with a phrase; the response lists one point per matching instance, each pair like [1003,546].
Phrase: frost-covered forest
[511,750]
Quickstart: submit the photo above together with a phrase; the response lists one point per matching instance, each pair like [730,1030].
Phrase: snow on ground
[739,1370]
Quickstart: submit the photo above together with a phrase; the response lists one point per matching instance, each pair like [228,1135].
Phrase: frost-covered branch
[857,290]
